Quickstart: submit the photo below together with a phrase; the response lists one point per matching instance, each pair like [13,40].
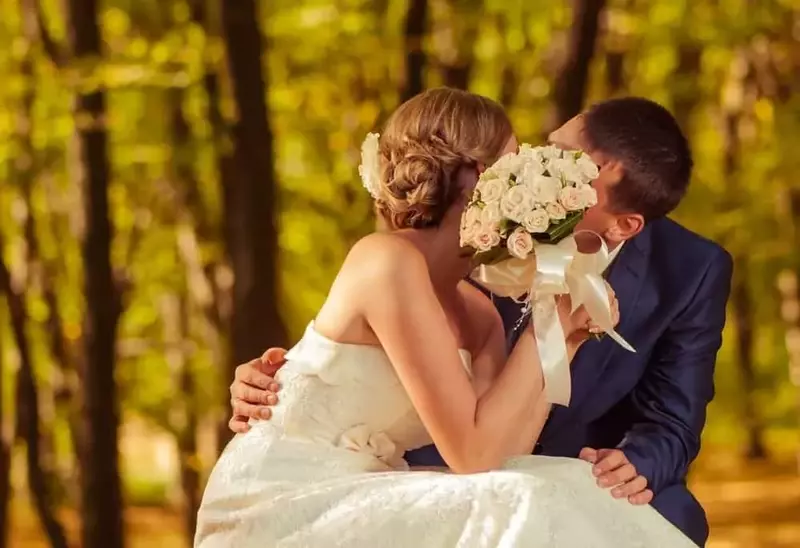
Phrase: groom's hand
[613,470]
[254,390]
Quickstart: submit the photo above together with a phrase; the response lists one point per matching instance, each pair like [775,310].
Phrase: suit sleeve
[669,403]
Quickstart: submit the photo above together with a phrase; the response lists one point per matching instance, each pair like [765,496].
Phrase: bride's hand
[578,326]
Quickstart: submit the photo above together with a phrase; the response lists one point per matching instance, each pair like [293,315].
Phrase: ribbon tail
[620,341]
[552,351]
[593,290]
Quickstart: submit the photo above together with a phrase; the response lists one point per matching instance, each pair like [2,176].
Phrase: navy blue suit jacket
[672,287]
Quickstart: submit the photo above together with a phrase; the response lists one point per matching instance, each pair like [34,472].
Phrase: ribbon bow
[362,439]
[555,269]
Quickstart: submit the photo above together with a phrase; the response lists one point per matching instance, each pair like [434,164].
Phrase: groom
[636,417]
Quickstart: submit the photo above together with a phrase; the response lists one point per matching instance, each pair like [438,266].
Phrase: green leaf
[562,230]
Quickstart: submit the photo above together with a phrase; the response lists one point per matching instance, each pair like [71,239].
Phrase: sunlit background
[228,159]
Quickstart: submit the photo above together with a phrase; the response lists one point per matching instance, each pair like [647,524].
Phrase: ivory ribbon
[555,269]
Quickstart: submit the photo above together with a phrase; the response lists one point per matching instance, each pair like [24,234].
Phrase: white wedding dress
[327,471]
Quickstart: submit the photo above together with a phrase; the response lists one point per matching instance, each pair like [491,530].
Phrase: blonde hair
[425,143]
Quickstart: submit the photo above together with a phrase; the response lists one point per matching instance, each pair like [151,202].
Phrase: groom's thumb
[588,454]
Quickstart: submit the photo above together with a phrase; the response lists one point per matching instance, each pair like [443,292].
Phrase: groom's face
[614,227]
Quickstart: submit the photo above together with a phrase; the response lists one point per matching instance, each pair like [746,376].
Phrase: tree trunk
[179,335]
[742,305]
[460,57]
[187,438]
[220,312]
[5,448]
[686,90]
[250,207]
[615,72]
[101,489]
[787,284]
[741,300]
[40,451]
[572,82]
[415,28]
[28,409]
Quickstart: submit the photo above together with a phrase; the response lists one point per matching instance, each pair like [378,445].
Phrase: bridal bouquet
[536,195]
[519,226]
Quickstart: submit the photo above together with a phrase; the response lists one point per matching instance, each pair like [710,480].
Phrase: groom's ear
[627,226]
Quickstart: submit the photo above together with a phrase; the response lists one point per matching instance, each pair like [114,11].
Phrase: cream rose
[530,154]
[570,198]
[587,168]
[551,152]
[555,211]
[516,202]
[486,238]
[536,221]
[566,169]
[470,226]
[544,189]
[491,215]
[529,172]
[520,244]
[491,189]
[588,195]
[506,166]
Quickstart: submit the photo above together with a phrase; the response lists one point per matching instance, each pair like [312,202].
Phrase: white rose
[588,195]
[565,169]
[550,152]
[544,189]
[570,198]
[536,221]
[516,202]
[531,154]
[486,238]
[587,168]
[491,215]
[505,167]
[470,225]
[491,189]
[468,233]
[555,211]
[530,168]
[520,244]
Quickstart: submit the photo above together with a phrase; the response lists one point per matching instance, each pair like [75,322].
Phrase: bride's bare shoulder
[382,254]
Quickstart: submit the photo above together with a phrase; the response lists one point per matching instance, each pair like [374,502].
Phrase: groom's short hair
[655,154]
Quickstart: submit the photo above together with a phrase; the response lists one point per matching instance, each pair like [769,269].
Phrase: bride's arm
[472,433]
[489,362]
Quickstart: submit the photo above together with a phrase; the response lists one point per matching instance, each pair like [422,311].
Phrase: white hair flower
[370,168]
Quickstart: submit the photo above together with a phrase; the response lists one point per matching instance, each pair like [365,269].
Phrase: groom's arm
[670,401]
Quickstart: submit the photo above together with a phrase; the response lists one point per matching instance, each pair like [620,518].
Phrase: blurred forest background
[179,186]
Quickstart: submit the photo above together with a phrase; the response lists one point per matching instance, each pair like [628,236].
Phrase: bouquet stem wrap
[552,270]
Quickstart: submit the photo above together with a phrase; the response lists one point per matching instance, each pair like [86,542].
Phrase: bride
[404,352]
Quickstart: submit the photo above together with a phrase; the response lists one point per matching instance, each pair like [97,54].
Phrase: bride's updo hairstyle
[427,140]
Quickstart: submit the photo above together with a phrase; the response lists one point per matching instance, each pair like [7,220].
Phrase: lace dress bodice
[347,396]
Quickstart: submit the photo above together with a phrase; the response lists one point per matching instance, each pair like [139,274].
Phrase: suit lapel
[626,275]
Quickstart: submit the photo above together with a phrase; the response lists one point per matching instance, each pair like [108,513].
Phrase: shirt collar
[613,253]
